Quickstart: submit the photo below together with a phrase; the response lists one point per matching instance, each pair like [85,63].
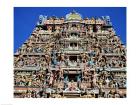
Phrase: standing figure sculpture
[94,79]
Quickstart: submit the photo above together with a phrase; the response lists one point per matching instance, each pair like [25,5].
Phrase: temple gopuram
[71,57]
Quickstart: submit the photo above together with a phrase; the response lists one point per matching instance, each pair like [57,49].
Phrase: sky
[25,19]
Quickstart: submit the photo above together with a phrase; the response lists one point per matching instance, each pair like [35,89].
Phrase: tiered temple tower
[71,57]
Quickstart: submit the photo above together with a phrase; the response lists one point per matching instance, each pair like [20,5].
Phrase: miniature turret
[41,20]
[107,20]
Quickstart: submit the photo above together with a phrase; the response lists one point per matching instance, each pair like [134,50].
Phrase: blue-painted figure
[66,80]
[78,80]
